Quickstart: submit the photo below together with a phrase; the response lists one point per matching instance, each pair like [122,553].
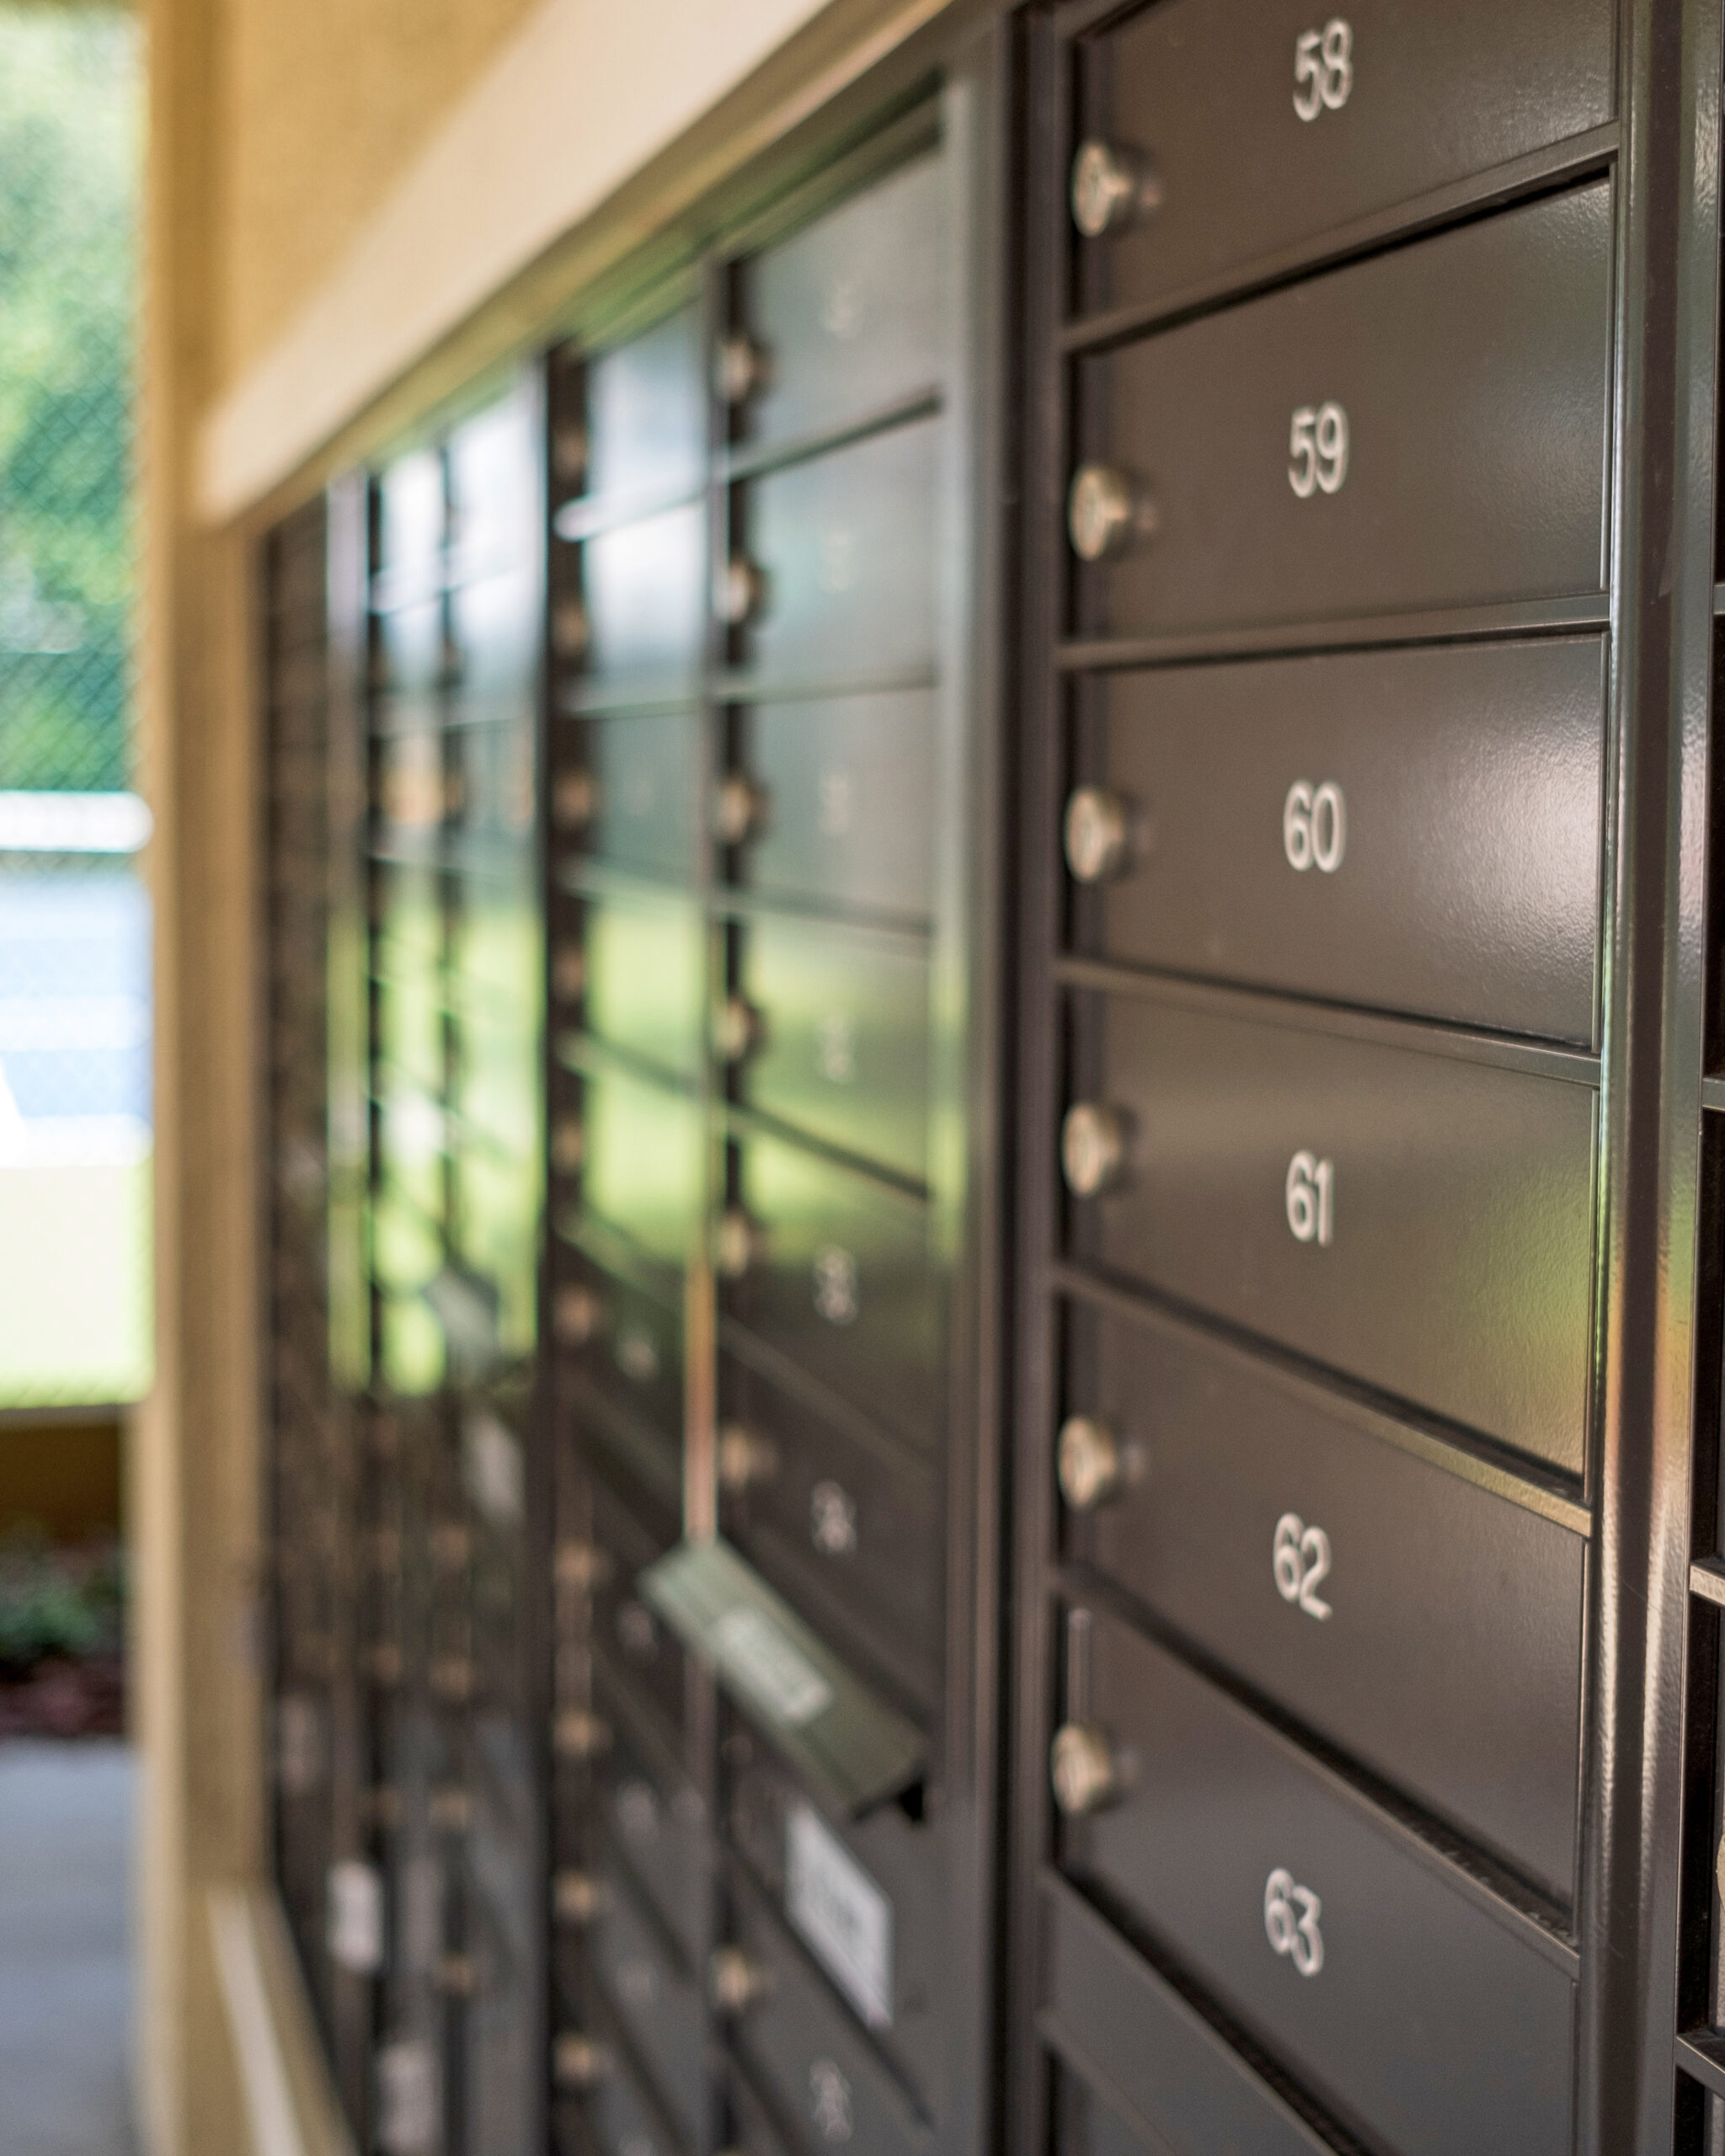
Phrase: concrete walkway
[65,1983]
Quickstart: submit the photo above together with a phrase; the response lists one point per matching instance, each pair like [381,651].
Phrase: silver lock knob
[1090,1468]
[736,1243]
[736,1029]
[571,632]
[744,1459]
[580,1566]
[1111,187]
[568,451]
[575,1898]
[739,591]
[569,971]
[740,367]
[578,2061]
[1097,833]
[1092,1148]
[577,1315]
[574,800]
[1081,1767]
[735,1980]
[738,808]
[577,1734]
[1106,512]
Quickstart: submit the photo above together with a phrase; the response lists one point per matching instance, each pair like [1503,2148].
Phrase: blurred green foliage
[70,123]
[57,1602]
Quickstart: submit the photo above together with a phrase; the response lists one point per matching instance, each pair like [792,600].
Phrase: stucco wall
[324,104]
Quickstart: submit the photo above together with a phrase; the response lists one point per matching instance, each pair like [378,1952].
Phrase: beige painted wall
[324,103]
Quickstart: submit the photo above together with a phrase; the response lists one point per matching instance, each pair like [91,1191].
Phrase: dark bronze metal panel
[850,806]
[847,1285]
[658,2003]
[1423,1621]
[1113,2018]
[799,2044]
[646,979]
[843,1036]
[646,770]
[1254,154]
[863,1898]
[1442,1251]
[1328,1933]
[844,1523]
[1416,829]
[849,316]
[846,547]
[1473,371]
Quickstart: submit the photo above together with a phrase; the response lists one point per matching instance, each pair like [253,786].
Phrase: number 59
[1317,449]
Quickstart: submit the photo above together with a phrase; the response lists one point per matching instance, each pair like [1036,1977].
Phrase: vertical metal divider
[1041,720]
[352,1358]
[453,900]
[381,1429]
[700,1298]
[539,1629]
[1640,1478]
[972,1005]
[700,1343]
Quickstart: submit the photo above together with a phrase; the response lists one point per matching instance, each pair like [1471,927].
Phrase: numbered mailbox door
[801,2045]
[1424,430]
[1423,2013]
[844,1525]
[1415,829]
[849,789]
[1427,1625]
[1263,124]
[842,1280]
[1419,1222]
[842,1049]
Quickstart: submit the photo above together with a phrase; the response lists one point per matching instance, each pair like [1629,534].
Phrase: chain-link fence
[74,927]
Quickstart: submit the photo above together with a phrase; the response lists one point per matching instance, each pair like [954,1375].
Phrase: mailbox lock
[744,1459]
[569,451]
[569,971]
[1106,511]
[1092,1148]
[571,632]
[740,367]
[1097,833]
[735,1979]
[739,591]
[576,1734]
[574,1897]
[577,2062]
[1090,1468]
[581,1566]
[738,809]
[574,800]
[577,1315]
[1111,187]
[736,1029]
[1081,1767]
[737,1244]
